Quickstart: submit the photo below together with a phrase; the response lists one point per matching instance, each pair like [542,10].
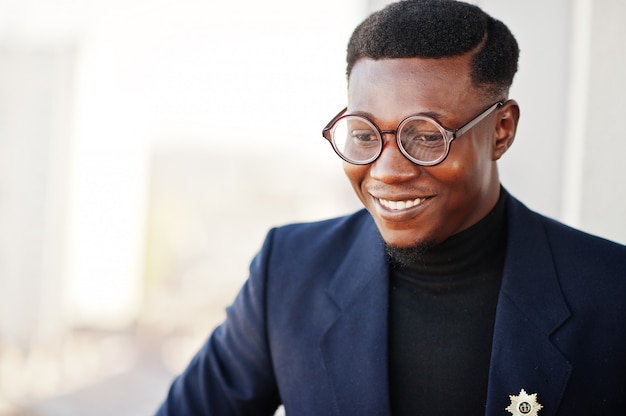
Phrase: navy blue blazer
[309,327]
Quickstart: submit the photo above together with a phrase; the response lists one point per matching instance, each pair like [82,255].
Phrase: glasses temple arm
[478,119]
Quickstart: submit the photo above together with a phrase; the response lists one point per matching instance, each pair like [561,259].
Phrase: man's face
[413,204]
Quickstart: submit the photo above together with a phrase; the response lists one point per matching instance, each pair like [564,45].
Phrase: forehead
[395,88]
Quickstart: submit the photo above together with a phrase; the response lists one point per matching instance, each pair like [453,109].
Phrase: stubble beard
[400,257]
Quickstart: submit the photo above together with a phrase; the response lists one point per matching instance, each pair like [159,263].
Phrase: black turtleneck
[441,318]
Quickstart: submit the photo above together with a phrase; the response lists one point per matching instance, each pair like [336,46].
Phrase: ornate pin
[524,404]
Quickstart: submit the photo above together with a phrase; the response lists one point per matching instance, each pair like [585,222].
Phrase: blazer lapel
[530,309]
[354,347]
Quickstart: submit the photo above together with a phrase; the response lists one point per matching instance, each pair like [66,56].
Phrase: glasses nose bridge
[396,142]
[396,139]
[383,132]
[393,133]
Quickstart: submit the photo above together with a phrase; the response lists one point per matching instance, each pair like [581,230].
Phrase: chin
[406,255]
[406,239]
[409,244]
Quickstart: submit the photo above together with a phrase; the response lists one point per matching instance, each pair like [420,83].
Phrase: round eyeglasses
[423,141]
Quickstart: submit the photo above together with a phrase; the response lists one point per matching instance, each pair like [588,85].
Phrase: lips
[400,205]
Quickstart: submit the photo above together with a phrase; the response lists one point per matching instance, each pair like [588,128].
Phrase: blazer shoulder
[574,244]
[563,238]
[584,263]
[302,256]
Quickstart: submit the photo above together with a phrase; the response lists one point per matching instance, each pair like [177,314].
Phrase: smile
[400,205]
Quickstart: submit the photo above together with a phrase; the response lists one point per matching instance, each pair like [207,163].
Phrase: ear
[507,118]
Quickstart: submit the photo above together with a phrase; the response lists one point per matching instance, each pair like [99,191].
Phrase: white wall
[602,194]
[35,118]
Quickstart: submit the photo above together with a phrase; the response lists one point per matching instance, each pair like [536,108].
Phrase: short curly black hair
[436,29]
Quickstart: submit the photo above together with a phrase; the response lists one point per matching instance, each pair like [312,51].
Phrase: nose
[392,166]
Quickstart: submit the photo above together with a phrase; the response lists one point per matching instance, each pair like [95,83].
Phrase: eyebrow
[439,118]
[433,114]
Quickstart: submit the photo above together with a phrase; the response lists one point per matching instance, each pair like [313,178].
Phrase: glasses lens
[422,139]
[356,139]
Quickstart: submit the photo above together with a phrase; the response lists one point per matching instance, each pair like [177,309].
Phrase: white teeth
[399,205]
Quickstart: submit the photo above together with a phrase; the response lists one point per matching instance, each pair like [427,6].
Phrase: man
[445,295]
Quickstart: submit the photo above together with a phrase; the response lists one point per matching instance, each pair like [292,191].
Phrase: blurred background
[146,147]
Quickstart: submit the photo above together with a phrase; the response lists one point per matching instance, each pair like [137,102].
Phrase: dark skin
[415,205]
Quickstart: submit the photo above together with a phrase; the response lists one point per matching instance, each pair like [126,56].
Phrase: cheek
[355,174]
[454,170]
[462,169]
[352,171]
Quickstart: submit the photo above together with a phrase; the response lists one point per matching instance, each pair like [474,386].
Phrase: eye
[415,135]
[421,133]
[364,137]
[429,137]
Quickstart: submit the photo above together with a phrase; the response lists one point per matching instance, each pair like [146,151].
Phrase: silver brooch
[524,404]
